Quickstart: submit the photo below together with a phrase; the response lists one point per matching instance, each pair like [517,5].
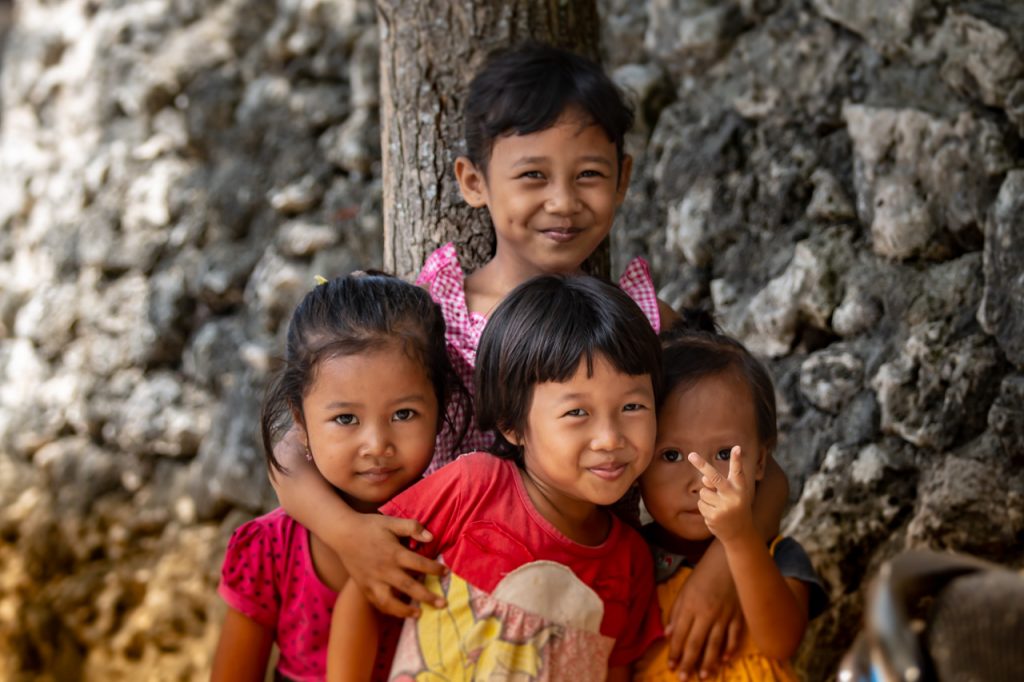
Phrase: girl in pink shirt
[365,379]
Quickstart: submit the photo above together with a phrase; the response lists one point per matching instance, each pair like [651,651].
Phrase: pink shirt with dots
[268,576]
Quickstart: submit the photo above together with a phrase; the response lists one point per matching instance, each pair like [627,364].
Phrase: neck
[580,521]
[358,505]
[693,550]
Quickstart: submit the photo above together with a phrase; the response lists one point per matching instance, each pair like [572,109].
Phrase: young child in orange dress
[716,430]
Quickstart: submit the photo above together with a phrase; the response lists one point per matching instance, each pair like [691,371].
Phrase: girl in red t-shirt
[544,580]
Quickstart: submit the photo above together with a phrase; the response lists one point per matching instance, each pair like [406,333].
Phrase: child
[365,376]
[545,582]
[545,136]
[716,430]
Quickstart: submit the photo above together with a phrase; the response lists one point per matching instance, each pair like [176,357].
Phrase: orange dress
[748,664]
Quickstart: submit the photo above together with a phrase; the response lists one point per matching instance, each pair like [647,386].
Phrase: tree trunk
[430,50]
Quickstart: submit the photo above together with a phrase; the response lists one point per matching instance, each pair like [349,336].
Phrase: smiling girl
[364,377]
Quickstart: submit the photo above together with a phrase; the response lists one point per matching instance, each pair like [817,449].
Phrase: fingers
[713,650]
[736,466]
[415,563]
[677,633]
[733,635]
[384,601]
[408,528]
[416,590]
[692,649]
[701,464]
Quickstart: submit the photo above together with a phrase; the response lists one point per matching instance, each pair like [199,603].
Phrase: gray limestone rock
[983,57]
[690,34]
[830,377]
[905,163]
[956,508]
[937,392]
[885,25]
[1006,418]
[1002,309]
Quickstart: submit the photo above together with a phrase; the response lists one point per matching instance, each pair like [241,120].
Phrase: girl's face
[552,194]
[709,418]
[371,419]
[587,439]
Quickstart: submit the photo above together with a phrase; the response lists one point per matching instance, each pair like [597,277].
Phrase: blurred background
[841,180]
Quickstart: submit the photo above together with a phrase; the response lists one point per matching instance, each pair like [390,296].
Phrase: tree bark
[430,50]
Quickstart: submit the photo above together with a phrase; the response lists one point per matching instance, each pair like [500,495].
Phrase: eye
[347,419]
[404,415]
[723,454]
[531,175]
[633,407]
[590,173]
[576,412]
[672,456]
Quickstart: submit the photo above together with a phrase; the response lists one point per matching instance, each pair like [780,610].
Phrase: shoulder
[793,562]
[270,527]
[637,282]
[443,261]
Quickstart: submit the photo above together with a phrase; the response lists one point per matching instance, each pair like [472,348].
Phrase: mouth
[609,472]
[377,474]
[562,234]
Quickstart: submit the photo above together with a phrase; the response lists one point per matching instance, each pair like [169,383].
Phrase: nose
[563,199]
[376,441]
[607,436]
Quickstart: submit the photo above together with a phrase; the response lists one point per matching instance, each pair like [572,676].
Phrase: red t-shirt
[485,526]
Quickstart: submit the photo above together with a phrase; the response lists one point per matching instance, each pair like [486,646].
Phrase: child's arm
[775,608]
[706,617]
[243,650]
[367,543]
[354,635]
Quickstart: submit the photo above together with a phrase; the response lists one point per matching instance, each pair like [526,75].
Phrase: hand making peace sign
[726,502]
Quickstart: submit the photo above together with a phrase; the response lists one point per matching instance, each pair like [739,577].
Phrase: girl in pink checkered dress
[545,156]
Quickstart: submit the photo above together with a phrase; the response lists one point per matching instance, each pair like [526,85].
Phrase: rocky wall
[842,181]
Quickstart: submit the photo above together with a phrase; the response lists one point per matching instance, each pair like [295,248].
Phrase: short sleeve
[793,562]
[643,624]
[247,575]
[637,282]
[436,502]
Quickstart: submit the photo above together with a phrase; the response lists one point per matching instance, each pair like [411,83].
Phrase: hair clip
[319,279]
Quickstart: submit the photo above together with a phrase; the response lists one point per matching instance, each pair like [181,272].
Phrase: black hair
[541,332]
[354,314]
[695,347]
[525,89]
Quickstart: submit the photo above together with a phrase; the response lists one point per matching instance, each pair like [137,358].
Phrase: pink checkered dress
[442,276]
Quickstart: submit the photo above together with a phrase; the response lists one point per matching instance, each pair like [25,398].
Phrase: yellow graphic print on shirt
[501,636]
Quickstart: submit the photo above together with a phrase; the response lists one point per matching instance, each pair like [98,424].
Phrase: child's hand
[380,566]
[726,503]
[706,624]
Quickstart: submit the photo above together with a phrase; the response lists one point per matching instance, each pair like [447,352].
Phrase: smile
[377,474]
[609,472]
[562,235]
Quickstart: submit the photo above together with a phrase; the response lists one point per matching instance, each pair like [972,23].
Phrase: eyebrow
[632,393]
[590,158]
[412,398]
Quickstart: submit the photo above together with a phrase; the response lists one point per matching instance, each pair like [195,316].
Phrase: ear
[511,436]
[472,182]
[762,460]
[625,173]
[300,421]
